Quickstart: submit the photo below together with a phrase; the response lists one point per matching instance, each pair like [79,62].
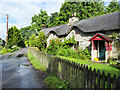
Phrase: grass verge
[51,80]
[102,67]
[54,82]
[36,64]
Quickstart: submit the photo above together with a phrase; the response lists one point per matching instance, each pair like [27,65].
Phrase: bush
[112,62]
[4,51]
[41,40]
[52,48]
[33,41]
[80,54]
[54,82]
[14,48]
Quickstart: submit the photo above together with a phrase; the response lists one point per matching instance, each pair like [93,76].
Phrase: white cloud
[20,14]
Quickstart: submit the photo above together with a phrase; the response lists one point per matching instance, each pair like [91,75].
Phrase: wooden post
[94,79]
[92,50]
[108,81]
[90,78]
[114,82]
[7,31]
[98,49]
[118,83]
[106,51]
[98,79]
[103,80]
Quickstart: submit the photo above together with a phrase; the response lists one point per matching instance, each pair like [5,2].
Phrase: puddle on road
[21,55]
[23,65]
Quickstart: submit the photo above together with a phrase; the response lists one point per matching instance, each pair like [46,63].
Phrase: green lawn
[98,66]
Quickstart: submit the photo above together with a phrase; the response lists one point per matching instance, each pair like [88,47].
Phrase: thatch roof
[101,23]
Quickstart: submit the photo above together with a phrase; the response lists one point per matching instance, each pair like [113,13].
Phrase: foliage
[14,48]
[56,45]
[69,42]
[8,50]
[54,82]
[52,48]
[54,20]
[14,37]
[41,41]
[33,41]
[39,20]
[26,43]
[3,51]
[112,62]
[26,32]
[83,10]
[114,6]
[36,64]
[80,54]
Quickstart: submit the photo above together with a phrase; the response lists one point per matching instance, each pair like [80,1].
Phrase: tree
[14,37]
[39,20]
[33,41]
[113,7]
[41,41]
[54,20]
[26,32]
[83,10]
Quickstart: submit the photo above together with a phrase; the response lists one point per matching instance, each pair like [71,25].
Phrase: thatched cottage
[93,31]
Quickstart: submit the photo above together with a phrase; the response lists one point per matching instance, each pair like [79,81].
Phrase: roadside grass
[36,64]
[102,67]
[51,80]
[54,82]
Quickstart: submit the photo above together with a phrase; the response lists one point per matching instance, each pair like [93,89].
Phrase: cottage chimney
[43,26]
[73,19]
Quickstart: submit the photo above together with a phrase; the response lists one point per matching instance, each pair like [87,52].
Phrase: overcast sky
[21,11]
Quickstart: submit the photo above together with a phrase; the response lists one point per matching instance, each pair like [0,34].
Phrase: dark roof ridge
[98,16]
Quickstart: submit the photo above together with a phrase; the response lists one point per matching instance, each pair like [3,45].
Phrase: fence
[79,76]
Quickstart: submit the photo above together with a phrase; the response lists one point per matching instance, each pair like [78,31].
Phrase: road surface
[17,72]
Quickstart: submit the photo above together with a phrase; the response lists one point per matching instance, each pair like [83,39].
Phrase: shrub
[69,52]
[63,52]
[14,48]
[4,51]
[26,43]
[54,82]
[33,41]
[41,40]
[112,62]
[52,48]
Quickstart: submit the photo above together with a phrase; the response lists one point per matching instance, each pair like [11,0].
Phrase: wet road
[18,73]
